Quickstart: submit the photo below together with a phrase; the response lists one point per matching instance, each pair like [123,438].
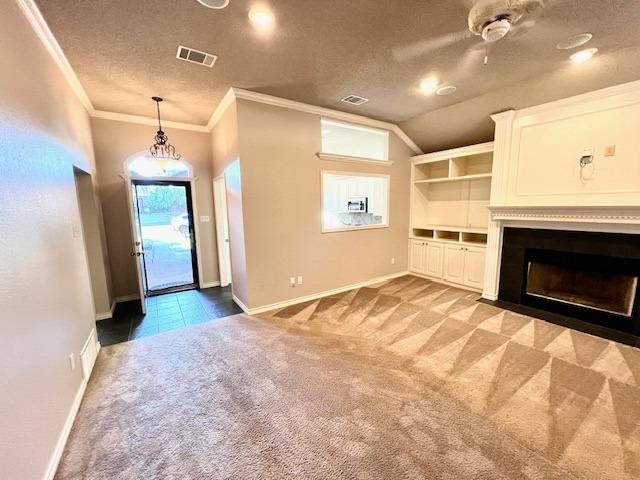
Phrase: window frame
[343,173]
[354,126]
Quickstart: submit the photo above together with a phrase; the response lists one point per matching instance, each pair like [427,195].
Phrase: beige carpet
[410,379]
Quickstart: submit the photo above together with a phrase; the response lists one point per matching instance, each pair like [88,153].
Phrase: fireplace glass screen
[604,291]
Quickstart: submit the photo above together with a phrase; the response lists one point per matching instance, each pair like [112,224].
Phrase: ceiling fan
[492,20]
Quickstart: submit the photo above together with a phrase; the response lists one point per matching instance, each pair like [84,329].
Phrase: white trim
[454,153]
[346,159]
[228,99]
[580,100]
[39,25]
[71,416]
[42,30]
[572,214]
[315,296]
[442,281]
[103,316]
[325,112]
[127,298]
[125,117]
[209,285]
[244,308]
[387,177]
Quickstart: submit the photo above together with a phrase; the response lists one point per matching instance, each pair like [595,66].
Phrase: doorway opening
[166,225]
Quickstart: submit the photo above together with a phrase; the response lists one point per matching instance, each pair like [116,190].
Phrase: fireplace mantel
[607,215]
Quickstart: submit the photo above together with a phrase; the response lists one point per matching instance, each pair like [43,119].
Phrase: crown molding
[609,214]
[222,107]
[124,117]
[42,30]
[241,94]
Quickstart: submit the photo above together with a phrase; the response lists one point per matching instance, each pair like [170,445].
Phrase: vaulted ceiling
[124,52]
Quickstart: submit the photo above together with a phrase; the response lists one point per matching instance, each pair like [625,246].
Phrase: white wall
[538,163]
[46,310]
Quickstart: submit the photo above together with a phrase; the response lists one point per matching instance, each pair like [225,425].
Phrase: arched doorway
[165,246]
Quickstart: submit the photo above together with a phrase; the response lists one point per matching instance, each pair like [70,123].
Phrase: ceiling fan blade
[424,47]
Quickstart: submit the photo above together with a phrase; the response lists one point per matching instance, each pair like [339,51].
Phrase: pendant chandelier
[162,148]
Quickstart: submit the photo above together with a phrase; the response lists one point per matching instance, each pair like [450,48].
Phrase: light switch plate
[609,151]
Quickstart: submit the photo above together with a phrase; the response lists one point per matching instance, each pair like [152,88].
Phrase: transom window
[148,167]
[350,140]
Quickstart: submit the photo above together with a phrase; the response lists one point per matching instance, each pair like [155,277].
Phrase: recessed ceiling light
[583,55]
[575,41]
[429,85]
[216,4]
[262,18]
[446,90]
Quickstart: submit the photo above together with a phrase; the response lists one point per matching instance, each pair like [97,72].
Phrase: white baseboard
[314,296]
[127,298]
[493,298]
[244,308]
[107,315]
[209,284]
[75,406]
[445,282]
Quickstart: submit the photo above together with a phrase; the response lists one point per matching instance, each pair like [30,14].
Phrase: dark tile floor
[165,313]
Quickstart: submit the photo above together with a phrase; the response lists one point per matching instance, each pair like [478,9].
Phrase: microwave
[358,204]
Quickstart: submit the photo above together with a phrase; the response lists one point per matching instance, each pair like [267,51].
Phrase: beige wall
[281,202]
[226,161]
[46,312]
[114,142]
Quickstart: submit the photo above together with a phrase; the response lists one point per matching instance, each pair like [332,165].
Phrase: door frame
[130,179]
[224,264]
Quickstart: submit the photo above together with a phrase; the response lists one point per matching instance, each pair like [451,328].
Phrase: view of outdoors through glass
[166,236]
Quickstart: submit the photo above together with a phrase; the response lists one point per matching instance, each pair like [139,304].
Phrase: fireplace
[586,276]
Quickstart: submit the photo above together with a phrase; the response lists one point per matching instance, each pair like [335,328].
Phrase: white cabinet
[454,262]
[435,257]
[417,256]
[426,258]
[474,267]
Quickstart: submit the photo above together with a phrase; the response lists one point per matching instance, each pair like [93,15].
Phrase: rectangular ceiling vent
[195,56]
[354,100]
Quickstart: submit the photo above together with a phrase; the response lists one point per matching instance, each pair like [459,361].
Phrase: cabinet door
[474,259]
[435,254]
[453,263]
[417,256]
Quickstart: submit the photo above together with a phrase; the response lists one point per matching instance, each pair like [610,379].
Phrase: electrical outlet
[72,362]
[299,280]
[292,281]
[393,260]
[610,151]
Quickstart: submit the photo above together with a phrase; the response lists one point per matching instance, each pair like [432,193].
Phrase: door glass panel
[166,235]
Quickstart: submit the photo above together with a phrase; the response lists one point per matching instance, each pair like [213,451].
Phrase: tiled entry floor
[165,313]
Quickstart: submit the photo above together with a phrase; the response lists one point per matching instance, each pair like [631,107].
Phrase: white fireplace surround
[537,182]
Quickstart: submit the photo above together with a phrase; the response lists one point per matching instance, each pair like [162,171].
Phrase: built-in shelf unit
[450,193]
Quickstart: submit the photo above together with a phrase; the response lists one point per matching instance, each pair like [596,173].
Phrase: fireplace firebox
[587,276]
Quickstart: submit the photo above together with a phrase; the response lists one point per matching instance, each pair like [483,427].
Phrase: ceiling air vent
[354,100]
[195,56]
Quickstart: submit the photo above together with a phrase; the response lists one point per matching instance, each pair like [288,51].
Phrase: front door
[166,224]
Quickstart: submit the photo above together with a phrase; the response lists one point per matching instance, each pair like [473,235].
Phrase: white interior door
[222,230]
[137,252]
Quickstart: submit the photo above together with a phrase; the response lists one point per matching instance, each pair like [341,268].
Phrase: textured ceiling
[123,51]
